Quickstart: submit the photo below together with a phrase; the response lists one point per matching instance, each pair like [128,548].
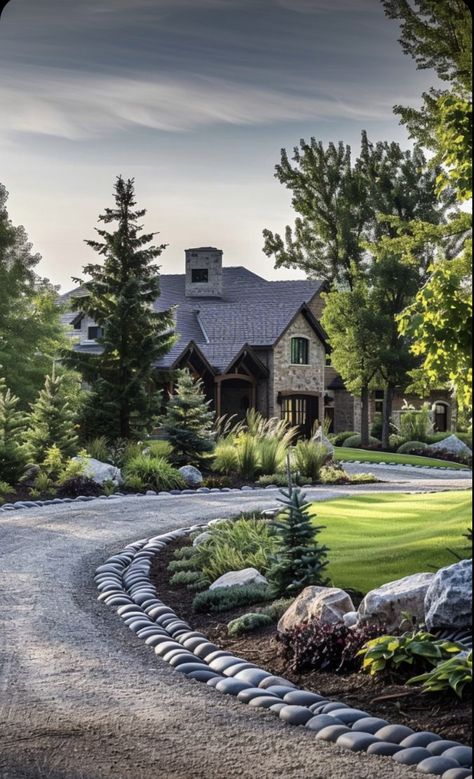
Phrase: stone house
[255,344]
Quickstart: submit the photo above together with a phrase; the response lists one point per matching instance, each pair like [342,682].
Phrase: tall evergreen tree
[188,421]
[52,422]
[120,298]
[12,427]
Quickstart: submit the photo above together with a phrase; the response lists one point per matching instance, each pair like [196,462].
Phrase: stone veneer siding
[297,379]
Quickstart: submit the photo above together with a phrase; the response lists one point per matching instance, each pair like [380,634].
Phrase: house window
[294,411]
[78,324]
[200,276]
[299,351]
[94,332]
[379,400]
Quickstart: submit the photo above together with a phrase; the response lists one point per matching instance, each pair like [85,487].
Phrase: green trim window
[299,351]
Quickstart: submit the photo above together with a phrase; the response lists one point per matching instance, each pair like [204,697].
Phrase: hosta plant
[454,674]
[394,653]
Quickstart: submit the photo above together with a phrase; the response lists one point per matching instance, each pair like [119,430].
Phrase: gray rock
[328,708]
[302,698]
[192,476]
[438,747]
[411,756]
[203,676]
[268,681]
[233,686]
[277,707]
[419,740]
[448,601]
[262,702]
[451,444]
[296,715]
[458,773]
[326,604]
[221,663]
[383,749]
[437,765]
[356,742]
[100,472]
[462,754]
[239,579]
[254,692]
[387,604]
[349,716]
[351,619]
[369,725]
[233,670]
[187,668]
[320,722]
[252,676]
[204,650]
[332,733]
[202,538]
[395,734]
[279,689]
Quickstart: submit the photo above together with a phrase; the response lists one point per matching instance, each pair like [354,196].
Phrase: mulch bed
[442,714]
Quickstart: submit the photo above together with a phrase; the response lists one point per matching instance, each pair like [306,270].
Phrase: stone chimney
[204,273]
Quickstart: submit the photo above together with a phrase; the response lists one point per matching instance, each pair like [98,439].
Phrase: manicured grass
[374,539]
[343,453]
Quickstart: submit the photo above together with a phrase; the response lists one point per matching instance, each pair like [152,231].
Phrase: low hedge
[354,442]
[413,446]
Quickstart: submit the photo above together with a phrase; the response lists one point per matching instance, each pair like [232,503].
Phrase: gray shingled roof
[251,311]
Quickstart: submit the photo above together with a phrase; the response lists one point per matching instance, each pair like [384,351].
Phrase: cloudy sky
[195,99]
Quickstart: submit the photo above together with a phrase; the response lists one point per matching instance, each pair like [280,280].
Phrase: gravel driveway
[82,698]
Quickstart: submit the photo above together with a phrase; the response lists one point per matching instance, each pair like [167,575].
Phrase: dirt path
[82,698]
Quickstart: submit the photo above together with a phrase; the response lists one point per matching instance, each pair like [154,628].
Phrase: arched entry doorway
[300,410]
[441,416]
[235,395]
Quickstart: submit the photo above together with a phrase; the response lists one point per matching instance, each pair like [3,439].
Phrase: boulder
[320,438]
[239,579]
[448,602]
[452,444]
[351,619]
[326,604]
[29,477]
[100,472]
[387,605]
[202,538]
[192,476]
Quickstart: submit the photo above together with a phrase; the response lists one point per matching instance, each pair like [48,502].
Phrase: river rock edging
[124,583]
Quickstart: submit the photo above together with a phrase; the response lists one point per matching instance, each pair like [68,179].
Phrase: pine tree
[300,561]
[120,298]
[188,421]
[52,422]
[12,428]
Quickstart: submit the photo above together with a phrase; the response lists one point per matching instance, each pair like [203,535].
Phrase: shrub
[276,609]
[419,649]
[98,449]
[79,485]
[271,454]
[184,553]
[354,442]
[121,451]
[233,546]
[188,421]
[416,425]
[217,482]
[315,646]
[248,623]
[226,460]
[43,485]
[12,427]
[299,560]
[52,422]
[309,457]
[454,674]
[338,438]
[377,426]
[228,598]
[362,478]
[334,474]
[396,441]
[412,446]
[135,483]
[248,456]
[189,577]
[155,473]
[279,480]
[158,448]
[184,565]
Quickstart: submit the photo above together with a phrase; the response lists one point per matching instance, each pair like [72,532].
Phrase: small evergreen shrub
[79,485]
[308,459]
[354,442]
[155,473]
[412,446]
[229,598]
[184,553]
[338,438]
[188,422]
[52,422]
[248,623]
[12,427]
[316,646]
[377,426]
[186,565]
[189,577]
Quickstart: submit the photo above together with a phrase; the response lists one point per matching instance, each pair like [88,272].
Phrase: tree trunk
[364,426]
[387,415]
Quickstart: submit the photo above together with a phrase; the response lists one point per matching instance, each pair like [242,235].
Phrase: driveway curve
[83,698]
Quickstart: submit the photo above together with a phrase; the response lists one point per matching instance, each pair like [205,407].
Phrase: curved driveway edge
[81,700]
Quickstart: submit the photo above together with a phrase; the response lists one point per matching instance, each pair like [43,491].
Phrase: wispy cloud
[79,106]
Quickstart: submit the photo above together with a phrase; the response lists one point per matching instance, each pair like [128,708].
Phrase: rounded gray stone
[277,707]
[302,698]
[411,756]
[278,689]
[252,676]
[213,682]
[438,747]
[321,721]
[349,716]
[233,670]
[217,653]
[332,733]
[232,686]
[458,773]
[187,668]
[221,663]
[270,681]
[262,702]
[193,643]
[437,765]
[253,692]
[357,742]
[137,625]
[203,676]
[333,706]
[166,646]
[419,740]
[369,725]
[205,650]
[394,733]
[158,638]
[463,755]
[296,715]
[384,749]
[181,658]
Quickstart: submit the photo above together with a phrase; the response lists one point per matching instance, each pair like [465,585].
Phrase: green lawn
[343,453]
[374,539]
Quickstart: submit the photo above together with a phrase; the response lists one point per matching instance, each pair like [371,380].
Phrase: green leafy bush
[248,623]
[154,473]
[79,485]
[233,546]
[157,448]
[187,578]
[396,441]
[279,480]
[354,442]
[309,457]
[377,426]
[185,564]
[334,474]
[135,483]
[416,425]
[392,653]
[98,449]
[229,598]
[412,446]
[338,438]
[184,553]
[453,674]
[226,459]
[52,421]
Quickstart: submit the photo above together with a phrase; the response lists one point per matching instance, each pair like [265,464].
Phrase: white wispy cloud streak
[80,106]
